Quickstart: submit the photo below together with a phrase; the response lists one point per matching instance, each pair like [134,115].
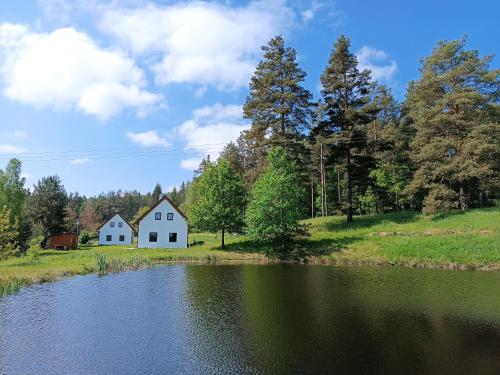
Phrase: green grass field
[469,240]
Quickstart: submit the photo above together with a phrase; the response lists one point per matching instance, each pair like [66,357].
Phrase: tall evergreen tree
[453,109]
[156,194]
[389,139]
[46,205]
[349,109]
[234,157]
[278,105]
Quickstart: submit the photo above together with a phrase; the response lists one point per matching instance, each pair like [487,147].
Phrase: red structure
[64,241]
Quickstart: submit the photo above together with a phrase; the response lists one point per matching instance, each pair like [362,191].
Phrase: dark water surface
[273,319]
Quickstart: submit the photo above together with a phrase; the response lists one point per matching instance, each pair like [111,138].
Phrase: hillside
[469,240]
[466,240]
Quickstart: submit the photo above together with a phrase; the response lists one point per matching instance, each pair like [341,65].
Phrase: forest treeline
[353,150]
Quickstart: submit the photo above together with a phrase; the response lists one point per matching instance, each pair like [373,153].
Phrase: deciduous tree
[219,200]
[275,208]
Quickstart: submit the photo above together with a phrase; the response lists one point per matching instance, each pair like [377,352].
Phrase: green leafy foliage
[275,209]
[219,200]
[12,199]
[84,237]
[8,234]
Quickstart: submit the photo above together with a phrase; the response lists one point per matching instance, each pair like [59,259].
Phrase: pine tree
[277,105]
[234,157]
[46,205]
[389,139]
[349,109]
[156,194]
[204,164]
[453,109]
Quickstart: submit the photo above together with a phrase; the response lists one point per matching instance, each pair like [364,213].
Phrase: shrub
[84,237]
[440,199]
[367,203]
[34,249]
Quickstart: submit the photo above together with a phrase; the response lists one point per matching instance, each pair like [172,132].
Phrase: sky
[123,94]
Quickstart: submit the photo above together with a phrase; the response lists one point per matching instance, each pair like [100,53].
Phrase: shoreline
[12,286]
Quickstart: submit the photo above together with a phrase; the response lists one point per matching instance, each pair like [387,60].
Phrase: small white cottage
[163,226]
[116,231]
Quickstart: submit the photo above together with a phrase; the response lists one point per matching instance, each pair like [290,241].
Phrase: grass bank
[457,240]
[51,265]
[469,240]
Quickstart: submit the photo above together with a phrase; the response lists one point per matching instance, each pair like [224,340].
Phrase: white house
[116,231]
[164,226]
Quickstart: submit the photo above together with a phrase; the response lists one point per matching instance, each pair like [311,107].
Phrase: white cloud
[65,69]
[11,149]
[191,163]
[149,138]
[210,129]
[80,161]
[308,14]
[382,67]
[199,42]
[219,111]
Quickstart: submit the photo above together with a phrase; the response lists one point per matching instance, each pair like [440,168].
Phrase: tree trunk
[312,198]
[322,178]
[349,185]
[222,238]
[462,198]
[325,194]
[338,187]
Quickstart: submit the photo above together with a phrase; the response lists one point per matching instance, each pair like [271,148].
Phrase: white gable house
[163,226]
[116,231]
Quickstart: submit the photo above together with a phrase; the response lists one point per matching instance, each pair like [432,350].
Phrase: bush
[440,199]
[34,249]
[84,238]
[367,203]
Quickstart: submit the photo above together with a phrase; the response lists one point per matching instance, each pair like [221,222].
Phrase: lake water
[273,319]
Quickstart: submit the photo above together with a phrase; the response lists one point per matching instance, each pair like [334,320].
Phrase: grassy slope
[457,240]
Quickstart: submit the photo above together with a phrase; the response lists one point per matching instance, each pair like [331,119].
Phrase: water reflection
[256,319]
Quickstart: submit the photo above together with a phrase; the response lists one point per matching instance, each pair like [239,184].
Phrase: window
[109,238]
[172,237]
[121,238]
[157,215]
[153,236]
[170,216]
[120,224]
[112,224]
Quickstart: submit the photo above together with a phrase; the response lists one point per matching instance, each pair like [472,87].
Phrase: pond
[274,319]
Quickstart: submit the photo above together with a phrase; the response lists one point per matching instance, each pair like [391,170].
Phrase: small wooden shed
[63,241]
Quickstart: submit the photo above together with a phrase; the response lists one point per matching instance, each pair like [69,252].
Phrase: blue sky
[121,94]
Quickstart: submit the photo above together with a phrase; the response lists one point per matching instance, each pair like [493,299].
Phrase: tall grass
[104,265]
